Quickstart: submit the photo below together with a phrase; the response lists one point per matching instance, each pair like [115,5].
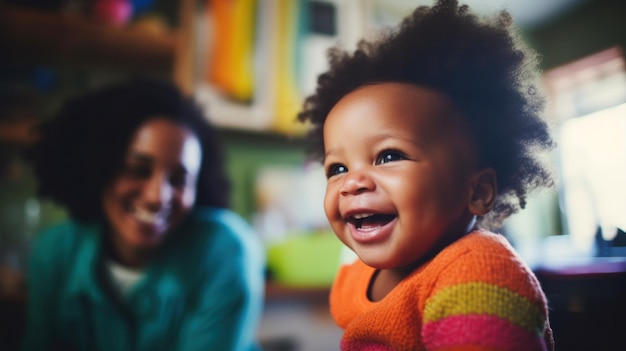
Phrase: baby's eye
[390,156]
[335,169]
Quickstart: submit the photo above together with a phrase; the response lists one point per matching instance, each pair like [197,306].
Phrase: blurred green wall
[593,26]
[247,152]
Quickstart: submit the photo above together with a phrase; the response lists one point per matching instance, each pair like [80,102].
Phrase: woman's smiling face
[155,189]
[400,163]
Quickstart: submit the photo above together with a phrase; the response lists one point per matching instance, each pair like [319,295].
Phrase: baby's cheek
[331,206]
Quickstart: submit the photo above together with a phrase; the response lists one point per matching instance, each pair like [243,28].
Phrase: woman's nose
[157,192]
[356,182]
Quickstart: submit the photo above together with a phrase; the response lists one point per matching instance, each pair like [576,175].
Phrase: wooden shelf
[277,292]
[45,37]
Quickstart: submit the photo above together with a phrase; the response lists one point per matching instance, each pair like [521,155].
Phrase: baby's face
[400,164]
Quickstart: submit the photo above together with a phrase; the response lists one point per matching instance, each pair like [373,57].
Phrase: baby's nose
[356,182]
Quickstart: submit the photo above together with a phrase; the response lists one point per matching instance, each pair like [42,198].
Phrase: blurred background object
[113,12]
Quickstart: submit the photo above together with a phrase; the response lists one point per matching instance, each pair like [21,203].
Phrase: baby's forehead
[407,110]
[402,103]
[412,96]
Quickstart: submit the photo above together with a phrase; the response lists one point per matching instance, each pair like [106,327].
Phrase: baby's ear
[483,191]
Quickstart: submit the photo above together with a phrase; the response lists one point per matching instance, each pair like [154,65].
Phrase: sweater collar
[87,276]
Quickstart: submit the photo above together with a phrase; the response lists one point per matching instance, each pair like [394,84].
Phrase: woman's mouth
[149,218]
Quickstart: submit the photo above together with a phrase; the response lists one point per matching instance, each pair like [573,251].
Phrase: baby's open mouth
[370,220]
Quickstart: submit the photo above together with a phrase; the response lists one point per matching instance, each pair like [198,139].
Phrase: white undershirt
[123,279]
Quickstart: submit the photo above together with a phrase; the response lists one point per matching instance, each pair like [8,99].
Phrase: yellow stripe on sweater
[483,298]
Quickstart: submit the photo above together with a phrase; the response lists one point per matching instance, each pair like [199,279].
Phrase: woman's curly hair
[83,147]
[481,63]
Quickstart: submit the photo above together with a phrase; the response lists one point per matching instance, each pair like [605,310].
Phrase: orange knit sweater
[476,294]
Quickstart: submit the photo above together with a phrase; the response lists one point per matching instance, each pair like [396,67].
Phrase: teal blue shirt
[203,291]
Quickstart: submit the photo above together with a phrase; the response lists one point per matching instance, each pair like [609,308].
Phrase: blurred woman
[151,258]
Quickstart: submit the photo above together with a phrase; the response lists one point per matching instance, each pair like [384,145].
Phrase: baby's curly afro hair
[83,147]
[481,63]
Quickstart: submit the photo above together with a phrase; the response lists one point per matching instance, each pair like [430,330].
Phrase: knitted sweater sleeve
[486,299]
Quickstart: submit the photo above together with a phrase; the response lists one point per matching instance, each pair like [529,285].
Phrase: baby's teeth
[364,215]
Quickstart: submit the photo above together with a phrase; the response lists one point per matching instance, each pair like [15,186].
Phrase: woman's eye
[138,171]
[178,180]
[335,169]
[390,156]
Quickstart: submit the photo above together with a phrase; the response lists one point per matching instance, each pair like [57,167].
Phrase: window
[588,101]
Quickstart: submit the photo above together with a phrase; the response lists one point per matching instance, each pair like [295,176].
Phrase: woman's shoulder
[220,223]
[63,235]
[57,246]
[217,242]
[221,230]
[219,216]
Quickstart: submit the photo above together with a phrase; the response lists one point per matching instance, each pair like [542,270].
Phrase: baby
[429,138]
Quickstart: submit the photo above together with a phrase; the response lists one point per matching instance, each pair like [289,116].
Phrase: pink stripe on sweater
[480,330]
[363,346]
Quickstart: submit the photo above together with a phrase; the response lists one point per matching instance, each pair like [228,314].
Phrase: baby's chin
[378,260]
